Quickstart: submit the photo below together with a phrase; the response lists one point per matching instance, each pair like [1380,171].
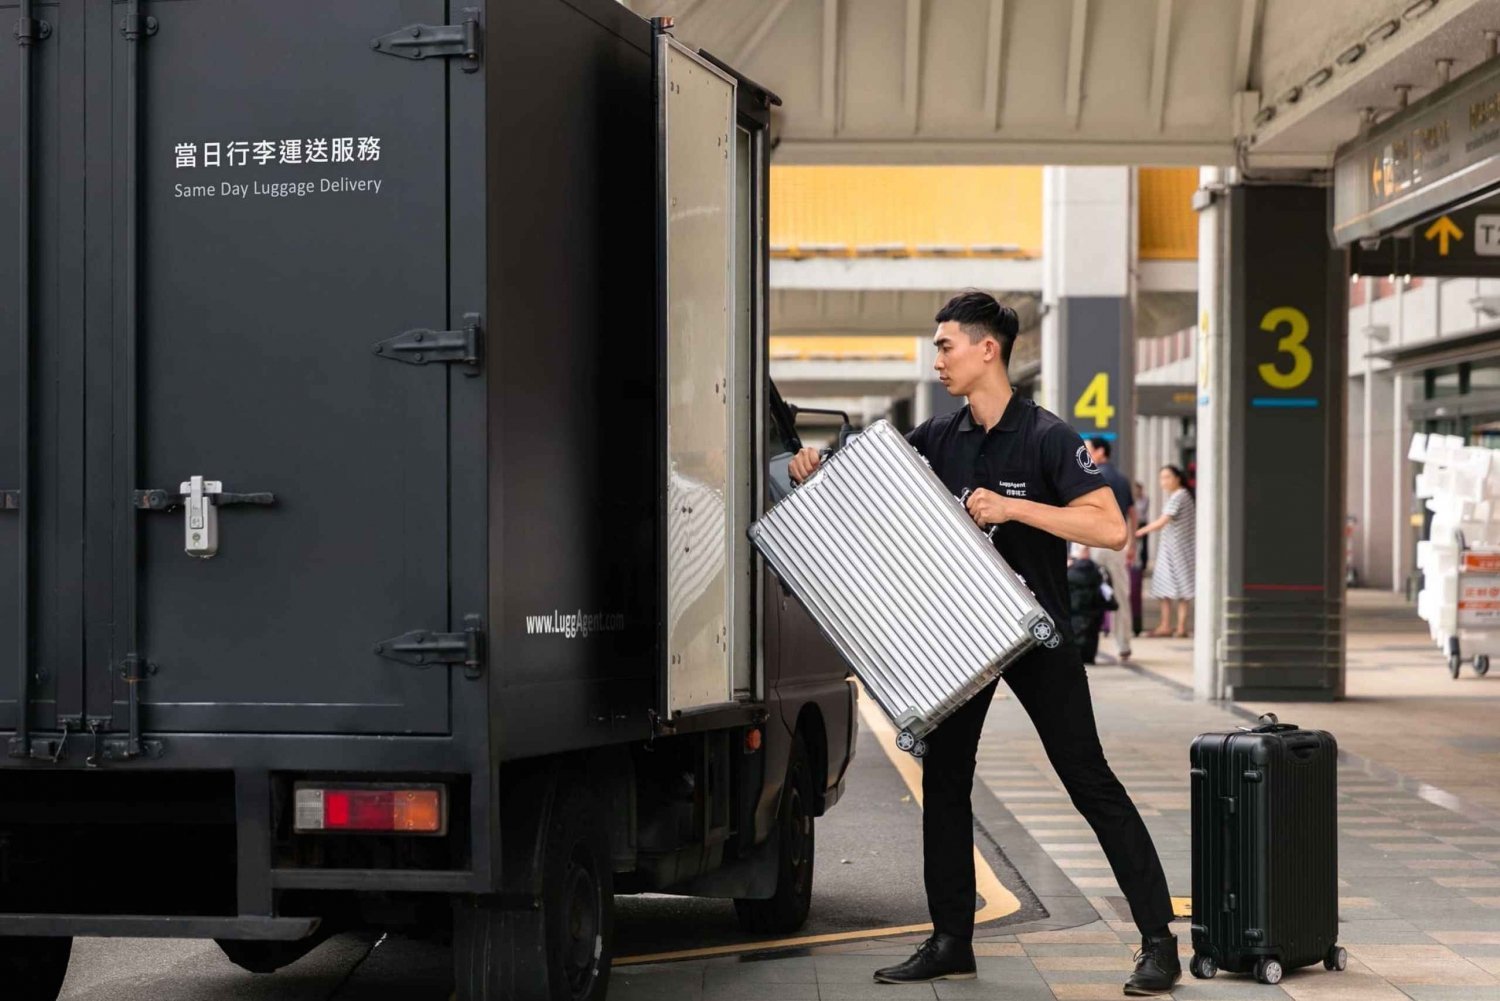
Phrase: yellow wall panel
[1168,224]
[822,347]
[911,210]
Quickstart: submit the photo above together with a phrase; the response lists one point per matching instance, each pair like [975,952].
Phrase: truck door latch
[421,648]
[435,41]
[200,500]
[419,347]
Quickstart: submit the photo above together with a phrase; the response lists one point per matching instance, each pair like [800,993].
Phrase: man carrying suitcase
[1031,474]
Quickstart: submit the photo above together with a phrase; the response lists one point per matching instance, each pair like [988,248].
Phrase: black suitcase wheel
[1454,664]
[919,749]
[1337,959]
[1203,967]
[905,741]
[1482,664]
[1268,971]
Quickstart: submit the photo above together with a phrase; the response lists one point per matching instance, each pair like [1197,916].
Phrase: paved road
[868,876]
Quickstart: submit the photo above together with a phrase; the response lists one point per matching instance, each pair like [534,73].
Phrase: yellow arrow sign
[1442,231]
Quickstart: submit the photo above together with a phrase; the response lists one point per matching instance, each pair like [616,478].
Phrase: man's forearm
[1086,525]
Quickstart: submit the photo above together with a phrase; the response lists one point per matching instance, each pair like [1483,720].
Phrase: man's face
[1097,454]
[960,362]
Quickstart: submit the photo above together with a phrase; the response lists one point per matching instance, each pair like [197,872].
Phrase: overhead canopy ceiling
[1081,81]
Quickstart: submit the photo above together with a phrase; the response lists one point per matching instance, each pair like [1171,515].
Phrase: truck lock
[200,500]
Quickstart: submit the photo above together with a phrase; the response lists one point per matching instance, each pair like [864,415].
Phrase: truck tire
[578,903]
[562,950]
[267,957]
[32,969]
[786,910]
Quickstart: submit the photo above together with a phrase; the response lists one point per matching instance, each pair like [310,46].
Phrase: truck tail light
[376,809]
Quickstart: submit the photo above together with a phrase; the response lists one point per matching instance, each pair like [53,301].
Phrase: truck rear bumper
[154,926]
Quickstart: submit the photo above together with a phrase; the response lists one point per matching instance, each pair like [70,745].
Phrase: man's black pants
[1053,688]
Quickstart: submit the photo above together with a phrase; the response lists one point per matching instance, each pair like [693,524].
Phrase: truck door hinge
[10,500]
[133,26]
[419,347]
[30,30]
[421,648]
[436,41]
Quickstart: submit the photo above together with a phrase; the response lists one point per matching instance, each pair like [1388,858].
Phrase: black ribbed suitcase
[1265,851]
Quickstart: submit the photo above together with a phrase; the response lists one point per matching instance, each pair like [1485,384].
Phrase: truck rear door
[38,572]
[289,174]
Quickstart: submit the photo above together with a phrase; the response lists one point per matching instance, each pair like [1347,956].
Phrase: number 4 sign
[1094,401]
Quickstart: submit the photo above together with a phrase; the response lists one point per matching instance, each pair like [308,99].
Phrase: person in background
[1113,561]
[1174,580]
[1089,598]
[1138,565]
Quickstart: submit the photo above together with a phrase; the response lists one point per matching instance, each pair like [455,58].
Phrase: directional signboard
[1462,243]
[1436,153]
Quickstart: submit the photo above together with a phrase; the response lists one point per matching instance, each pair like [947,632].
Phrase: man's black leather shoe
[941,957]
[1157,968]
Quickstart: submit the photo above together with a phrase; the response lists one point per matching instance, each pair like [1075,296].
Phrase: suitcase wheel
[1337,959]
[1043,631]
[1453,664]
[919,749]
[1482,664]
[1203,967]
[905,741]
[1268,971]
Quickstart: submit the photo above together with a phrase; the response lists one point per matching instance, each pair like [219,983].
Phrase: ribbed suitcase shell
[902,581]
[1265,847]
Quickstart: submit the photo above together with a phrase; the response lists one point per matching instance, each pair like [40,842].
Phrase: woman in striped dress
[1173,580]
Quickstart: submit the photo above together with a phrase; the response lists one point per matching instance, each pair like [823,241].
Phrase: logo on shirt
[1013,488]
[1086,461]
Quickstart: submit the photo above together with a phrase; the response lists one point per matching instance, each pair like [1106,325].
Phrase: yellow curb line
[998,901]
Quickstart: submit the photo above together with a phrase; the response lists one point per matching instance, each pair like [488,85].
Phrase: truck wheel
[32,969]
[578,902]
[786,910]
[267,957]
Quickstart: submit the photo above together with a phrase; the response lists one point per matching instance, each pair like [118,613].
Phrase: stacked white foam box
[1461,487]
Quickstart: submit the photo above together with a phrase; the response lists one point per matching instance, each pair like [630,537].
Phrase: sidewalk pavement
[1419,850]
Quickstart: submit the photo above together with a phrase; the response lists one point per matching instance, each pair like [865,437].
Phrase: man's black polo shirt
[1031,454]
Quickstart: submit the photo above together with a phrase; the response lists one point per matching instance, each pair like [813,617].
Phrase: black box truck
[385,401]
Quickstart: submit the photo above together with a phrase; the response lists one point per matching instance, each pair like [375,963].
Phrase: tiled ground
[1419,870]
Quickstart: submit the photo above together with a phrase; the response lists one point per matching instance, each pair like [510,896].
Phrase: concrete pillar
[1279,458]
[1088,345]
[1212,427]
[1383,438]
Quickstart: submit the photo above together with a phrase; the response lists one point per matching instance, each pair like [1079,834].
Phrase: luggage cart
[1477,623]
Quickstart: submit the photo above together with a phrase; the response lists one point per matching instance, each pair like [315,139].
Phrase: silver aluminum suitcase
[908,588]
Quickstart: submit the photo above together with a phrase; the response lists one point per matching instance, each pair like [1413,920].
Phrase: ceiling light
[1383,32]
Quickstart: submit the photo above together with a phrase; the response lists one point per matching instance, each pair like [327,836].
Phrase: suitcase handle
[1303,747]
[963,499]
[1269,723]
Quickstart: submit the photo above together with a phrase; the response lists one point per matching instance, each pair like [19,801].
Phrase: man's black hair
[1101,445]
[981,315]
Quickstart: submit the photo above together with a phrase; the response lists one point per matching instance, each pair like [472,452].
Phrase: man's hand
[804,464]
[987,508]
